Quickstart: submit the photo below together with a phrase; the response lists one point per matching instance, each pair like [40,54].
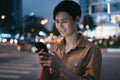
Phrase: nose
[60,24]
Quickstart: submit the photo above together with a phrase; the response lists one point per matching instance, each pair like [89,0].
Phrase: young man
[74,58]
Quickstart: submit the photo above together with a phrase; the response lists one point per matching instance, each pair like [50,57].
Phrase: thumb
[52,53]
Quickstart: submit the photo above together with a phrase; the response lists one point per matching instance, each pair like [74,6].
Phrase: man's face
[65,24]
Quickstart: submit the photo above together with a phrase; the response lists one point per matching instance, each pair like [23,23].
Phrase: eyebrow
[63,18]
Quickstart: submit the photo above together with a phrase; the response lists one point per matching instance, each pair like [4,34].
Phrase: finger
[41,50]
[42,62]
[42,57]
[51,52]
[46,65]
[42,53]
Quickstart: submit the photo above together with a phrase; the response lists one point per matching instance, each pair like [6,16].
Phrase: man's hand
[50,59]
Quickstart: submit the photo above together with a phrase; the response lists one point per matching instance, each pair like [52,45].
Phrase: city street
[25,23]
[24,66]
[17,65]
[111,66]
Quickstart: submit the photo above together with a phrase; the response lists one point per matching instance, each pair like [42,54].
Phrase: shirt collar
[81,42]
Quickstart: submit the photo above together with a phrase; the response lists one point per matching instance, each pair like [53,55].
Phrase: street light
[2,21]
[3,17]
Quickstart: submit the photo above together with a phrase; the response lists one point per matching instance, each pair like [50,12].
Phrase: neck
[73,39]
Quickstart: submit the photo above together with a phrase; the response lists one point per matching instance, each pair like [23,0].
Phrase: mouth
[62,31]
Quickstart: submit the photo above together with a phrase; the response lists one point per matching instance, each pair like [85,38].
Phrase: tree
[33,25]
[88,22]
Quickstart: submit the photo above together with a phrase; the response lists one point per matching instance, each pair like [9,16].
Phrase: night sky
[42,8]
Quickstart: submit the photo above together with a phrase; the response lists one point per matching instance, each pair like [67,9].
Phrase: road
[111,66]
[24,66]
[16,65]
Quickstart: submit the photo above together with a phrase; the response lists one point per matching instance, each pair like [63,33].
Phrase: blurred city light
[32,29]
[17,35]
[106,30]
[42,40]
[108,8]
[6,35]
[48,45]
[41,33]
[81,26]
[13,41]
[3,17]
[43,22]
[0,39]
[22,37]
[4,40]
[87,26]
[51,34]
[33,49]
[32,14]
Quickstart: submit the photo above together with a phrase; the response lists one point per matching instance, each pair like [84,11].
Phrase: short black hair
[71,7]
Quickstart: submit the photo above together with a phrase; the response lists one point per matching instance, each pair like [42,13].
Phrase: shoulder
[94,52]
[90,47]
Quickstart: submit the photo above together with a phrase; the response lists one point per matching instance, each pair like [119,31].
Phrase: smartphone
[40,45]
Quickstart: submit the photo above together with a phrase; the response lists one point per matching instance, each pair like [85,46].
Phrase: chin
[63,35]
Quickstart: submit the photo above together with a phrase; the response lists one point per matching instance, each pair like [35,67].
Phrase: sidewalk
[110,50]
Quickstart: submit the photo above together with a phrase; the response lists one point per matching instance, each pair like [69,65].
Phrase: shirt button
[75,64]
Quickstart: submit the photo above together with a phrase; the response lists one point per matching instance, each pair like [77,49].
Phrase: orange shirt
[84,59]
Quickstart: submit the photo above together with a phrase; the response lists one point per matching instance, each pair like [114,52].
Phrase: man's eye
[56,21]
[65,20]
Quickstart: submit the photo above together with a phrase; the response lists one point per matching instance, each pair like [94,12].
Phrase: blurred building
[105,11]
[106,14]
[84,8]
[10,16]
